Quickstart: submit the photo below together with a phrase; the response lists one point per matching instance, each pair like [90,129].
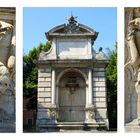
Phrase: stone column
[90,87]
[53,108]
[53,87]
[90,112]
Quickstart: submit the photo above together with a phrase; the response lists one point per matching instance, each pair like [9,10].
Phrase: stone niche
[7,69]
[71,81]
[132,69]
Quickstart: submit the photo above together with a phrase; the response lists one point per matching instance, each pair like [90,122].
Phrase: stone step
[82,126]
[7,130]
[132,129]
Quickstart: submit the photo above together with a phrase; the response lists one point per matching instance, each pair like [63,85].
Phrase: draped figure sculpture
[132,66]
[7,77]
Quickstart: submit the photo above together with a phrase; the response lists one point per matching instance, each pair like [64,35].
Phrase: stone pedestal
[90,114]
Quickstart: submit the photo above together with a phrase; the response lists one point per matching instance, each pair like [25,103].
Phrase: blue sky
[37,21]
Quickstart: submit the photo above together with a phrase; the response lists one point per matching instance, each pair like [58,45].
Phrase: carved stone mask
[4,78]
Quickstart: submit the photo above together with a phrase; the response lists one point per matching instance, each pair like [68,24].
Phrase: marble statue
[132,67]
[7,55]
[7,77]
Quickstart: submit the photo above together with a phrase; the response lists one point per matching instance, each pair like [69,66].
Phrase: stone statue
[7,76]
[7,54]
[132,65]
[4,78]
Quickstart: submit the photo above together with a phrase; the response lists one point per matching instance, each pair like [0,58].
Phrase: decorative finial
[71,19]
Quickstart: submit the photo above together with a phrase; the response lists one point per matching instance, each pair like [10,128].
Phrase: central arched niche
[72,97]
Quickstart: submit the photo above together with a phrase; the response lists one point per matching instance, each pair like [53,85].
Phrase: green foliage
[30,74]
[111,74]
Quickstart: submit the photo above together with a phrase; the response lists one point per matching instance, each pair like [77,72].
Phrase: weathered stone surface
[5,40]
[99,74]
[99,93]
[132,68]
[100,104]
[47,89]
[41,79]
[101,113]
[95,79]
[99,84]
[99,89]
[41,100]
[44,94]
[44,70]
[7,69]
[101,56]
[71,80]
[44,105]
[103,99]
[98,69]
[44,84]
[44,89]
[43,114]
[4,78]
[11,63]
[41,89]
[99,99]
[44,75]
[47,100]
[102,79]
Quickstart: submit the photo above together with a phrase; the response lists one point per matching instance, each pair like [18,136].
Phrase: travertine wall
[44,92]
[99,92]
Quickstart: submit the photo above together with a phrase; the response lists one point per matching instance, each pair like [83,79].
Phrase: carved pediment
[70,29]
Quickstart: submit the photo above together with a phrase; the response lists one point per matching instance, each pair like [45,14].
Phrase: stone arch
[71,102]
[64,72]
[74,70]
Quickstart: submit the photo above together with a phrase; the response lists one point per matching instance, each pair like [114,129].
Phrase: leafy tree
[111,74]
[30,74]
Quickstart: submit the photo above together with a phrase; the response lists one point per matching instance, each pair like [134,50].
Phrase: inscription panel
[72,47]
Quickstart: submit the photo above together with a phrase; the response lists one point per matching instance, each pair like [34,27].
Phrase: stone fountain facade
[71,81]
[7,69]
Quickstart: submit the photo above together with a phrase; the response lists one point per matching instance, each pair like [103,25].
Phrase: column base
[90,121]
[90,114]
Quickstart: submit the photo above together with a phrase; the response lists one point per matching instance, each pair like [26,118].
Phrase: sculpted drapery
[7,57]
[132,64]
